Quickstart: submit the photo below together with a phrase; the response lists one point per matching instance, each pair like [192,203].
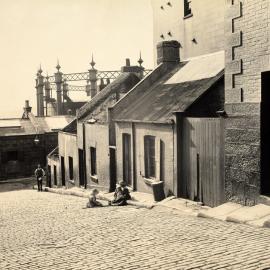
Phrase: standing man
[39,173]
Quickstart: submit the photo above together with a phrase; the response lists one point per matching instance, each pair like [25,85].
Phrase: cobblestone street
[50,231]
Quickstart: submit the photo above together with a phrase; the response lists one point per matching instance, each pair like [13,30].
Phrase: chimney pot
[127,62]
[168,52]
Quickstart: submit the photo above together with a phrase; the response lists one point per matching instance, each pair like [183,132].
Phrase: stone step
[247,214]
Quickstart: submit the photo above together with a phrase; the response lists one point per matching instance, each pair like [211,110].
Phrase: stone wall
[247,55]
[206,26]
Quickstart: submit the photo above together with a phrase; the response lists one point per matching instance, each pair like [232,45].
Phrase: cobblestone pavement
[50,231]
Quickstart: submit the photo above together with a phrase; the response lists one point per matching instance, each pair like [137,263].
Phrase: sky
[34,32]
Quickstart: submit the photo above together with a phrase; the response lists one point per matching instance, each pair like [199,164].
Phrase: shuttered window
[149,156]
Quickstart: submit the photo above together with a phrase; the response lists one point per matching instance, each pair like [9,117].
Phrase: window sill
[149,181]
[188,16]
[94,178]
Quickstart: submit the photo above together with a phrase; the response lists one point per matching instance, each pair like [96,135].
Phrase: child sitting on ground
[93,199]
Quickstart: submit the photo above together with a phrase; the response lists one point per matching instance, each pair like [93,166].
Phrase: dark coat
[121,195]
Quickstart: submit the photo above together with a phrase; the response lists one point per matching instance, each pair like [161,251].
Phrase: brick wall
[29,155]
[206,26]
[247,55]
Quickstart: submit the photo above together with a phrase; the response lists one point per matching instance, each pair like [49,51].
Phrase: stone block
[234,39]
[233,95]
[245,136]
[243,108]
[234,11]
[234,67]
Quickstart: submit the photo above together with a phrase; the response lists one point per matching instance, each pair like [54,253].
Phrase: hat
[122,184]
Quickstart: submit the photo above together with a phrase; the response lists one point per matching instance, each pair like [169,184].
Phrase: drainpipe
[84,157]
[134,156]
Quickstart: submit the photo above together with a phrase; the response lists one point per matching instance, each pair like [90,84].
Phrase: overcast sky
[40,31]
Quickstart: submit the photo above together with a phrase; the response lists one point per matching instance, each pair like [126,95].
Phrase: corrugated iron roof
[170,94]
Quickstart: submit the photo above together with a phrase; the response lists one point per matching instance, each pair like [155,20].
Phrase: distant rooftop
[18,126]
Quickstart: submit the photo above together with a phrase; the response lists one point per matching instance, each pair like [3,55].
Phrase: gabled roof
[107,97]
[176,91]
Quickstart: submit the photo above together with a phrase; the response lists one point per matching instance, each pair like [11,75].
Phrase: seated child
[121,195]
[93,199]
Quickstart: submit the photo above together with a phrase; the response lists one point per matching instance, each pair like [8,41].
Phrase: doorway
[81,168]
[112,169]
[265,133]
[63,172]
[55,175]
[202,160]
[126,139]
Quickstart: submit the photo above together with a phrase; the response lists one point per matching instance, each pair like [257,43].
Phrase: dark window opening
[70,164]
[126,139]
[93,160]
[149,156]
[12,156]
[187,8]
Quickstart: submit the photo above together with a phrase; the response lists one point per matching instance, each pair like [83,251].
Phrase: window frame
[187,9]
[150,169]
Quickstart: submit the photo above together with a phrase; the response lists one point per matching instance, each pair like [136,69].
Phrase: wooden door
[81,168]
[127,159]
[202,161]
[63,171]
[55,175]
[112,169]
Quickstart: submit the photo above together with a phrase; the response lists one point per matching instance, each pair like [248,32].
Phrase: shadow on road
[17,184]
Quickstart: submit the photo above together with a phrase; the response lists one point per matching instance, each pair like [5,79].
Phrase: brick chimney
[168,52]
[26,110]
[134,69]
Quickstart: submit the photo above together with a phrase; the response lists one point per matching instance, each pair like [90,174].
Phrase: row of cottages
[156,130]
[165,130]
[164,127]
[83,157]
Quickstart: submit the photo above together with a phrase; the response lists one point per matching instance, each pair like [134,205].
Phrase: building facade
[25,142]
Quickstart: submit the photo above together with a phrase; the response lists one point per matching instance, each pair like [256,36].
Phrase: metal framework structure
[70,87]
[84,76]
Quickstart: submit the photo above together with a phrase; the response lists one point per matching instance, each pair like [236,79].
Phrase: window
[93,161]
[127,158]
[187,8]
[149,156]
[70,164]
